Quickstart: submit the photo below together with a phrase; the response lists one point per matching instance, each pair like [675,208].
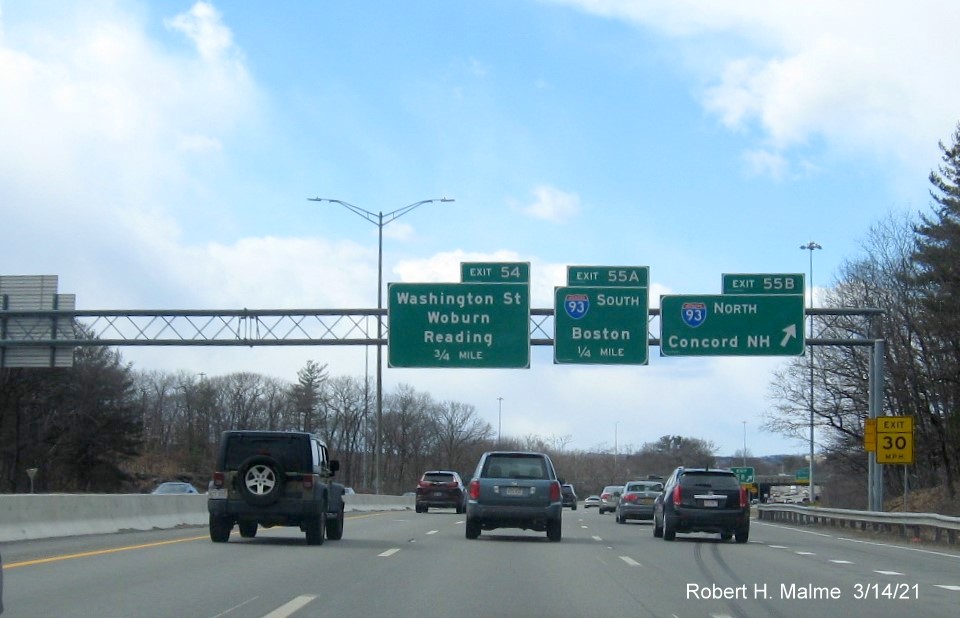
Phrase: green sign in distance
[609,276]
[744,473]
[495,272]
[731,325]
[478,325]
[803,474]
[600,325]
[763,284]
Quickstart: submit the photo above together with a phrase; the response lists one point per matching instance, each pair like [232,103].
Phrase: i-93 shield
[693,314]
[576,305]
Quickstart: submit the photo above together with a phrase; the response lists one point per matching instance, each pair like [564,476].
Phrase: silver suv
[274,478]
[514,490]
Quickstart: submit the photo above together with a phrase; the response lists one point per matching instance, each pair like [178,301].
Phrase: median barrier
[39,516]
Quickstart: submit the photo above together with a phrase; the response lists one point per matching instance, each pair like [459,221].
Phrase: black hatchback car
[442,489]
[702,500]
[568,496]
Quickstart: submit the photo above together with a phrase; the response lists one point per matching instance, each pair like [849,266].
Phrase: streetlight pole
[811,247]
[744,443]
[380,219]
[499,417]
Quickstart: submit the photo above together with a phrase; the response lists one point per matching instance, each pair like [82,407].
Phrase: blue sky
[160,155]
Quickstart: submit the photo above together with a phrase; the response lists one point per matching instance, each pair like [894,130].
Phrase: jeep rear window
[287,450]
[706,480]
[515,467]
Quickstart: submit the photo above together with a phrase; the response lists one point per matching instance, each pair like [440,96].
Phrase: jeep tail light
[555,492]
[218,479]
[744,497]
[676,494]
[474,489]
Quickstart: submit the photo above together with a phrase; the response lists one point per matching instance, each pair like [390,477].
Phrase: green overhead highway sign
[763,284]
[731,325]
[609,276]
[600,325]
[495,272]
[478,325]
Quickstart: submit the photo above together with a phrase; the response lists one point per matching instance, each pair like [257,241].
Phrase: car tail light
[676,494]
[307,481]
[474,489]
[218,479]
[555,492]
[451,484]
[604,496]
[744,497]
[630,497]
[424,484]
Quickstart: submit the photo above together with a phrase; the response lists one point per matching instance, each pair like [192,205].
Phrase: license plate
[217,494]
[438,494]
[711,503]
[514,491]
[646,501]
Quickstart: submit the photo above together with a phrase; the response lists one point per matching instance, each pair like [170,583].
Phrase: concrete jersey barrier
[39,516]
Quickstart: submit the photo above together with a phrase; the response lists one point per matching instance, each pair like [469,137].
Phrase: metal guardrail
[924,526]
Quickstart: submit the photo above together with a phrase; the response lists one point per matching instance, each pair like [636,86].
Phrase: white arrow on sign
[790,332]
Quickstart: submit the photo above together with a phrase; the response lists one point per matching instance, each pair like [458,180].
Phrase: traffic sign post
[477,325]
[731,325]
[601,325]
[495,272]
[895,440]
[744,474]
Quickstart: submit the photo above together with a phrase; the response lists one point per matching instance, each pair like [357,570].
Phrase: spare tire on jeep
[261,480]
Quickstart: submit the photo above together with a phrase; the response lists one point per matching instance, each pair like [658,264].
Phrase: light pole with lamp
[380,219]
[499,417]
[811,247]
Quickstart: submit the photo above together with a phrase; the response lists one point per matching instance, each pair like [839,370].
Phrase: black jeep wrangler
[274,478]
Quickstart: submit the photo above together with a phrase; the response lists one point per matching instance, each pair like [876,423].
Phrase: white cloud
[202,24]
[552,204]
[764,162]
[864,76]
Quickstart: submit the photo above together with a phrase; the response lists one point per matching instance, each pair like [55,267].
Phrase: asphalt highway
[403,564]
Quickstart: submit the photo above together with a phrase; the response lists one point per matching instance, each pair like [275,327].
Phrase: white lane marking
[777,546]
[584,527]
[287,609]
[432,532]
[916,549]
[888,572]
[221,615]
[630,561]
[805,553]
[389,552]
[945,587]
[596,538]
[841,562]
